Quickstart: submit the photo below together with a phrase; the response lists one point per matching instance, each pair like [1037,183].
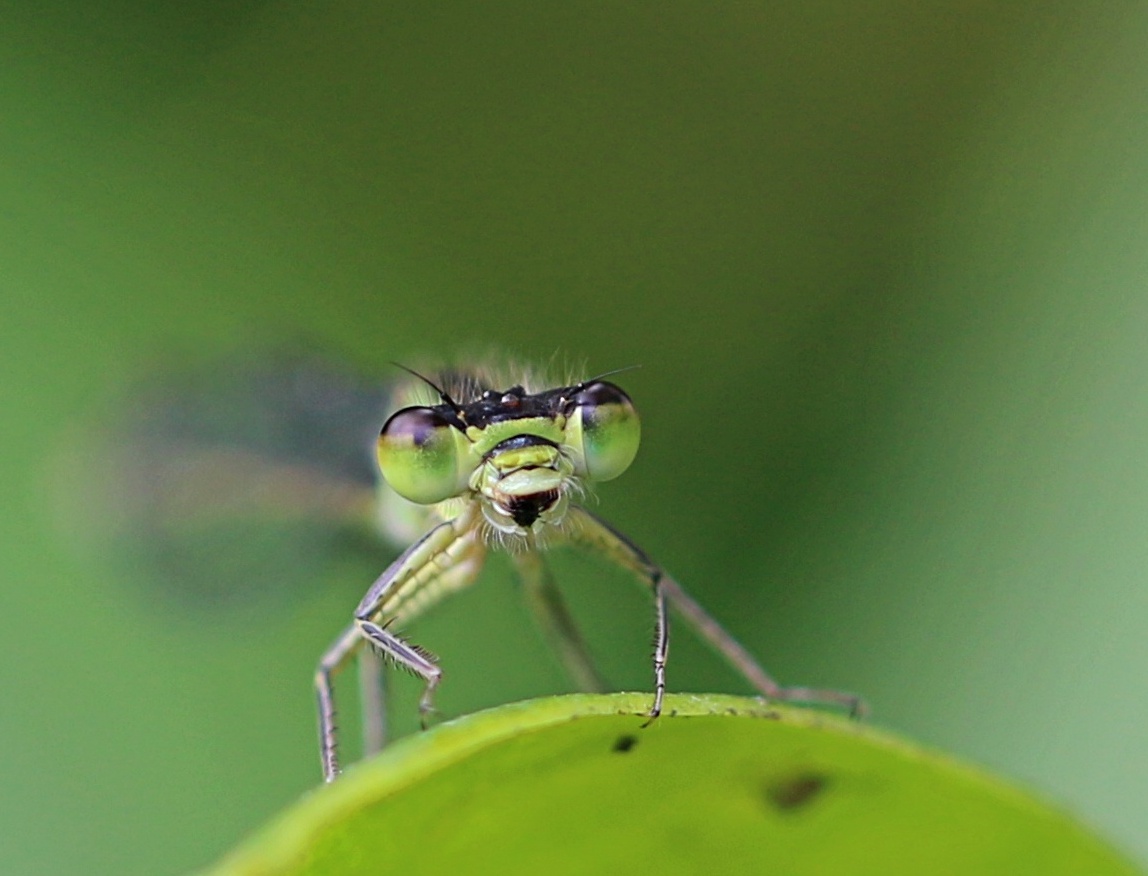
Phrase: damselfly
[249,473]
[500,462]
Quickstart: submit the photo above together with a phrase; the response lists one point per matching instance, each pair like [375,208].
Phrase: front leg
[446,557]
[418,660]
[590,531]
[587,530]
[384,644]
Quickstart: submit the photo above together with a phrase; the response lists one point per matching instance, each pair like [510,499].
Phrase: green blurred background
[884,266]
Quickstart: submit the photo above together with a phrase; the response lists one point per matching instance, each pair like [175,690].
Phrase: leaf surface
[718,784]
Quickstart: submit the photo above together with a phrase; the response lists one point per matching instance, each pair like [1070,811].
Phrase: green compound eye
[609,428]
[419,455]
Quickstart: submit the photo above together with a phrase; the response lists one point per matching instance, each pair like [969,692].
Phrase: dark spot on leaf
[624,743]
[796,791]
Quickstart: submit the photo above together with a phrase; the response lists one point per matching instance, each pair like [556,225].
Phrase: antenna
[446,399]
[607,374]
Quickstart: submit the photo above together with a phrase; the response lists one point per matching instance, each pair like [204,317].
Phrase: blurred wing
[223,481]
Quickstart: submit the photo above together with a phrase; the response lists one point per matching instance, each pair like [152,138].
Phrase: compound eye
[418,454]
[609,427]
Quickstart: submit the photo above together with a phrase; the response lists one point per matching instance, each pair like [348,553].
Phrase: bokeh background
[884,264]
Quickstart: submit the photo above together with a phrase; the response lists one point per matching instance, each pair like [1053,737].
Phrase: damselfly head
[520,454]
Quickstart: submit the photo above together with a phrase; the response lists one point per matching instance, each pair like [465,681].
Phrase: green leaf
[718,784]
